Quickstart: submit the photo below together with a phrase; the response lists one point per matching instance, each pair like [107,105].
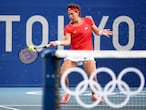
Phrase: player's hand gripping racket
[30,54]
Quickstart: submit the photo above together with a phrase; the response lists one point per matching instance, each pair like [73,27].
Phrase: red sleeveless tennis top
[81,35]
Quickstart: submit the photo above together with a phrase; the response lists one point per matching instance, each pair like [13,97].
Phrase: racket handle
[46,46]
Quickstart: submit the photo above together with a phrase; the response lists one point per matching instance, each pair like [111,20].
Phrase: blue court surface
[31,99]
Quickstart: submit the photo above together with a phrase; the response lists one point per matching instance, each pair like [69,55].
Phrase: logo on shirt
[86,28]
[74,32]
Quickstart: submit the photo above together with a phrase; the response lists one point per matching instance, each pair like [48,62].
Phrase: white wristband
[58,42]
[48,45]
[100,32]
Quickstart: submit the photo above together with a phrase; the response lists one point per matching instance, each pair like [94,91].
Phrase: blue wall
[131,31]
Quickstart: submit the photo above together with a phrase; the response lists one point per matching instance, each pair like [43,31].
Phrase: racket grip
[46,46]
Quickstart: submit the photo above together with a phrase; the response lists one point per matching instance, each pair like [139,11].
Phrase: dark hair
[73,5]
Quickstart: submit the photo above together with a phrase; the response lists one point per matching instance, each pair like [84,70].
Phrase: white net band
[102,54]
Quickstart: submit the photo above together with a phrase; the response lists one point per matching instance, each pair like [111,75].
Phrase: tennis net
[121,81]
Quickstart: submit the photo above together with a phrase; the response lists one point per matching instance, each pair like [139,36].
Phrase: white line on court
[34,92]
[88,93]
[23,106]
[9,108]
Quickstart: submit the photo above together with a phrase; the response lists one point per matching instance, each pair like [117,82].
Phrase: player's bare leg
[90,67]
[65,66]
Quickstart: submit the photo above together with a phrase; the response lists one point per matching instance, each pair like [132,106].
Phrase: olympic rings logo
[108,89]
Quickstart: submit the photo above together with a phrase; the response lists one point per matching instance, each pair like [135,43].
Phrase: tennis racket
[27,56]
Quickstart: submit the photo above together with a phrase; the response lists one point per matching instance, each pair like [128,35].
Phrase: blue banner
[36,22]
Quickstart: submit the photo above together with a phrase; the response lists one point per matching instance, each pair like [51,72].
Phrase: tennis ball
[31,48]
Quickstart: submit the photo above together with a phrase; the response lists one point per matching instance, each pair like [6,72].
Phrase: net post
[51,77]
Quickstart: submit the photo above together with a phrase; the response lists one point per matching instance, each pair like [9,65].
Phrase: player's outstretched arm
[65,42]
[105,32]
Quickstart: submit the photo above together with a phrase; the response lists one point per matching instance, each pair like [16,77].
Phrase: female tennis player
[78,34]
